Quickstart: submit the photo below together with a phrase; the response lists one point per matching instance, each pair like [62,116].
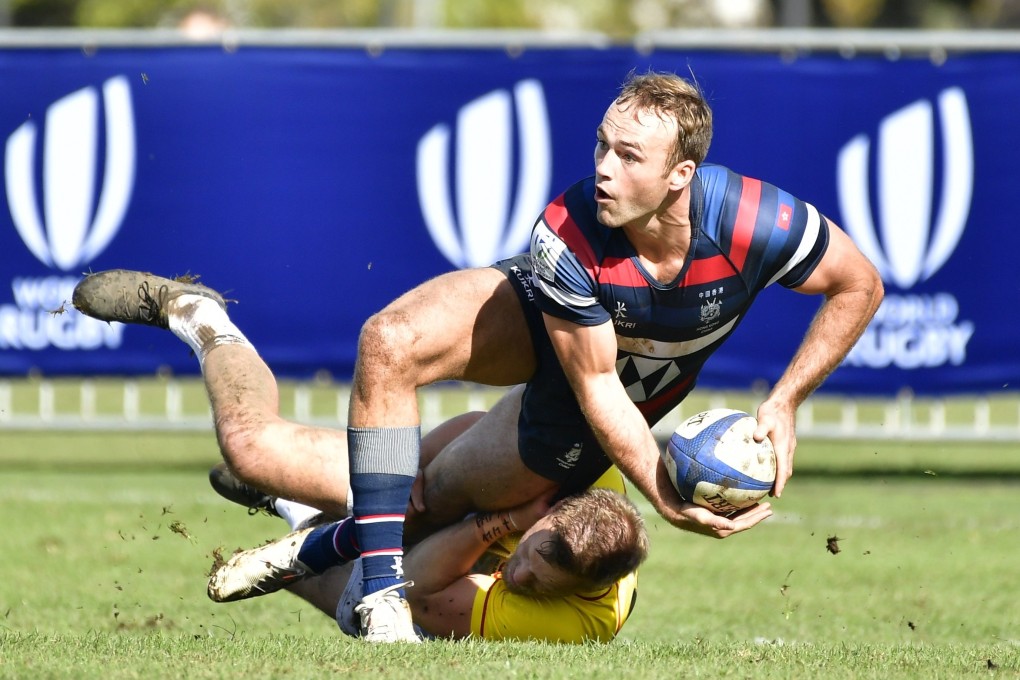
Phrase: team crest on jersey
[711,308]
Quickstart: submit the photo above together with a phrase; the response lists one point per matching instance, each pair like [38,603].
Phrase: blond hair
[670,96]
[598,535]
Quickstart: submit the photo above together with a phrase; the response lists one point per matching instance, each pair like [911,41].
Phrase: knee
[243,448]
[388,343]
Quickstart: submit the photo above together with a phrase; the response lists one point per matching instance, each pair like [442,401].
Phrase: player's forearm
[626,438]
[835,329]
[448,555]
[588,357]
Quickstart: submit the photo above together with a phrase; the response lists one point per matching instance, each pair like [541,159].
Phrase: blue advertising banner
[314,185]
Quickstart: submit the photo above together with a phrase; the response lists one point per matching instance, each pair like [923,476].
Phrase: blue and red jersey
[745,235]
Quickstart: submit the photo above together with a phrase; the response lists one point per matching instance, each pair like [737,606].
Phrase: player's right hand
[700,520]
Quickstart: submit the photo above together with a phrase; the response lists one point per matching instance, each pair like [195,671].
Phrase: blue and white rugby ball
[714,461]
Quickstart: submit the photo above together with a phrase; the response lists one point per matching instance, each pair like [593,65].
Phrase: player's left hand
[778,421]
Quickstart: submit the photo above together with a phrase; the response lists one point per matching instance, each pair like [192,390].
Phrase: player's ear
[681,175]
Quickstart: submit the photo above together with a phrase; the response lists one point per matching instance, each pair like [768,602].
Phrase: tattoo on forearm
[494,525]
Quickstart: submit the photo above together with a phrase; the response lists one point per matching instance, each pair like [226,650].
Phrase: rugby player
[565,574]
[635,276]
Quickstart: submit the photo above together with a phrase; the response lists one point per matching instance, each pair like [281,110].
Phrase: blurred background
[316,159]
[618,18]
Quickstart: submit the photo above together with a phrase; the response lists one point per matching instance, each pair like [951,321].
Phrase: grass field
[108,537]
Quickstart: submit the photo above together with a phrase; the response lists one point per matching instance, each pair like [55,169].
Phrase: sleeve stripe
[747,217]
[562,224]
[563,297]
[807,243]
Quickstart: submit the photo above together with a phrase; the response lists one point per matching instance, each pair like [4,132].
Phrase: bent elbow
[877,292]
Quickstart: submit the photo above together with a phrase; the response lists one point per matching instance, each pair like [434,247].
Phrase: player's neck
[664,239]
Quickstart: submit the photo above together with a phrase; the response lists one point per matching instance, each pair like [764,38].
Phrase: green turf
[108,537]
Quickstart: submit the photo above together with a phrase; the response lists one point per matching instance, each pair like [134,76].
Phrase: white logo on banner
[72,234]
[485,226]
[911,331]
[68,233]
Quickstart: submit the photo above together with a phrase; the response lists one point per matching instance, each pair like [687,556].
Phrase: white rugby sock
[294,513]
[202,324]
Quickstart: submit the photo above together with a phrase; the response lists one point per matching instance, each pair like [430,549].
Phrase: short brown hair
[667,94]
[598,535]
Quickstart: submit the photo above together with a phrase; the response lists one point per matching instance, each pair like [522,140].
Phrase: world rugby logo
[68,233]
[904,248]
[911,331]
[474,222]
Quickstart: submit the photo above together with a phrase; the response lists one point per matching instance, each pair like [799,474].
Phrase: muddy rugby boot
[134,297]
[261,570]
[223,482]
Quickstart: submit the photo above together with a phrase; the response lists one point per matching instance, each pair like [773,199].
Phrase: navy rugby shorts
[554,438]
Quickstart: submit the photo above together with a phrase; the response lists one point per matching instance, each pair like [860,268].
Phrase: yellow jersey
[498,614]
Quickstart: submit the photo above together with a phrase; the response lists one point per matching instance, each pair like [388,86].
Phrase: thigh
[465,325]
[439,437]
[482,468]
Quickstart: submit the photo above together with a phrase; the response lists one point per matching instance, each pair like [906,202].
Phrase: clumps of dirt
[179,528]
[188,277]
[218,560]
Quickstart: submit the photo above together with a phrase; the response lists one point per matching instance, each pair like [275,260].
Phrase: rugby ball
[713,460]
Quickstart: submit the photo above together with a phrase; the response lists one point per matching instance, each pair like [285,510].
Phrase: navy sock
[345,540]
[383,465]
[318,552]
[329,546]
[379,528]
